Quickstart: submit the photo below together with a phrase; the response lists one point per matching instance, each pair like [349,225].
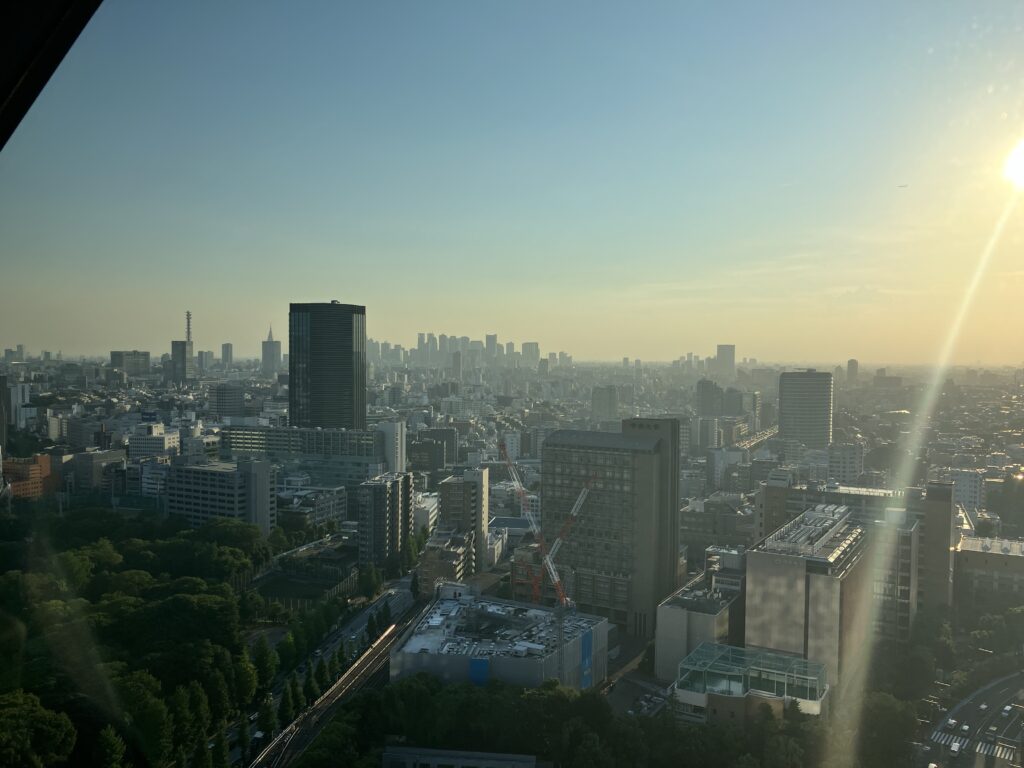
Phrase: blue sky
[612,179]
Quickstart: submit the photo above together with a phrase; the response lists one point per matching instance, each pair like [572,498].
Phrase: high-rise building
[464,506]
[604,403]
[725,361]
[809,590]
[852,371]
[133,362]
[183,362]
[385,513]
[204,359]
[227,400]
[271,356]
[491,345]
[709,398]
[5,410]
[227,355]
[846,462]
[622,558]
[531,353]
[805,407]
[327,365]
[936,517]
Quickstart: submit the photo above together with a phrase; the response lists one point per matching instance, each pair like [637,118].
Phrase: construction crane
[563,601]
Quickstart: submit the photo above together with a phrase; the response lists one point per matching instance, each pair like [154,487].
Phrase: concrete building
[183,362]
[245,490]
[133,362]
[723,684]
[624,549]
[270,357]
[852,372]
[808,591]
[968,488]
[227,401]
[152,440]
[447,556]
[710,609]
[227,355]
[805,407]
[464,505]
[604,403]
[989,573]
[725,361]
[464,638]
[327,365]
[845,463]
[394,444]
[302,504]
[385,509]
[29,478]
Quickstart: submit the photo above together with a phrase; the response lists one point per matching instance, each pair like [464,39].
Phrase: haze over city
[511,385]
[594,176]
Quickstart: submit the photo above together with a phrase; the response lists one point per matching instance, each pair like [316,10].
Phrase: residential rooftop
[823,532]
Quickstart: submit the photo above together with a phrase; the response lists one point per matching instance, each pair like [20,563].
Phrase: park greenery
[128,639]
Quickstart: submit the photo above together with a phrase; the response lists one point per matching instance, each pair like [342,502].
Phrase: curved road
[981,746]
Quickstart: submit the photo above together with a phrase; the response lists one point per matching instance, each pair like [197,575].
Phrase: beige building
[622,557]
[808,591]
[464,505]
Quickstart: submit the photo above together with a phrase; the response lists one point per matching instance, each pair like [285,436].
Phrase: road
[980,747]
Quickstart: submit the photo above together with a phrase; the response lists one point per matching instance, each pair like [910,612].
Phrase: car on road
[991,732]
[951,724]
[954,749]
[1007,710]
[983,707]
[965,729]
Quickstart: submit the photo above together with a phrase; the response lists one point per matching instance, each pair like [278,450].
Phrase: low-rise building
[245,490]
[464,638]
[989,571]
[724,684]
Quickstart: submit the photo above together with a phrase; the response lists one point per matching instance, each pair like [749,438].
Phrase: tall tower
[188,326]
[327,365]
[271,355]
[805,407]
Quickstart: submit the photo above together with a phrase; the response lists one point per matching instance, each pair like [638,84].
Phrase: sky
[809,181]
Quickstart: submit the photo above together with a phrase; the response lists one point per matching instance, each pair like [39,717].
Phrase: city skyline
[810,209]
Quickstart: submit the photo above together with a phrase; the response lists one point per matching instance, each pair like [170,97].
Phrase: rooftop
[728,670]
[470,626]
[699,599]
[825,532]
[578,438]
[993,546]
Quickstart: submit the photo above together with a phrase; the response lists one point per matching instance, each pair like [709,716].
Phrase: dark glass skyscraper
[327,365]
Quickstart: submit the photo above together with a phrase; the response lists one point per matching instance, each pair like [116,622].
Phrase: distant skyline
[809,181]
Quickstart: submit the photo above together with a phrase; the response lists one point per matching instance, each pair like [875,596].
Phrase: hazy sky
[611,179]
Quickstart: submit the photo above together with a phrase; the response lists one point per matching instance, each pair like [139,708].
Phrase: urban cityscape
[457,386]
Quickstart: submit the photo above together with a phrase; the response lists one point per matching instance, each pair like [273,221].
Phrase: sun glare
[1014,169]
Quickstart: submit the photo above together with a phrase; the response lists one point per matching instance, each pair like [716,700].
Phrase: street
[991,737]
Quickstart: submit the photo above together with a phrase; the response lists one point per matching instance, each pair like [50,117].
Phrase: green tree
[265,659]
[783,752]
[287,654]
[220,756]
[201,757]
[219,696]
[334,668]
[286,707]
[322,679]
[385,616]
[244,738]
[146,716]
[267,721]
[298,698]
[277,540]
[110,749]
[371,627]
[30,734]
[183,730]
[310,690]
[414,585]
[199,706]
[246,679]
[886,731]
